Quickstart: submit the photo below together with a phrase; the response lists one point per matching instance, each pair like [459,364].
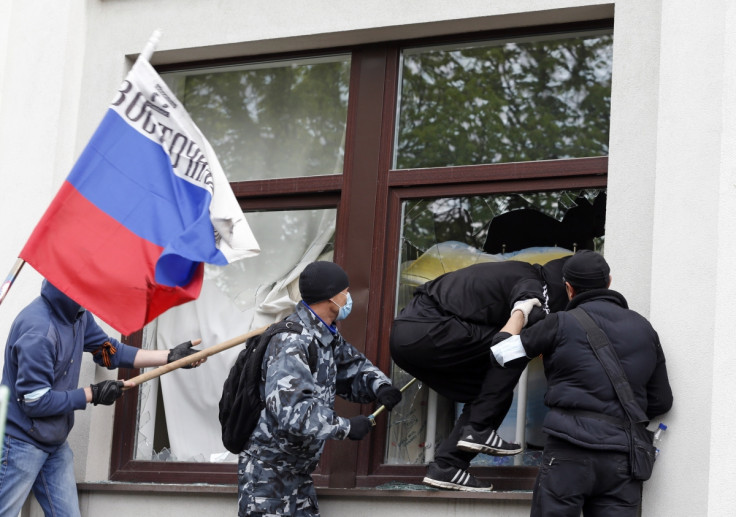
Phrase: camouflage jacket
[299,414]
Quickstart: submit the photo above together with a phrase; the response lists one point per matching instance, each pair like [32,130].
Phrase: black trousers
[453,358]
[574,479]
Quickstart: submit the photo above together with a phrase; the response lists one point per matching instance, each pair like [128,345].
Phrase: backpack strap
[292,326]
[312,356]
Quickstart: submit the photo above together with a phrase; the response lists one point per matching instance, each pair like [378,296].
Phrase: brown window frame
[368,197]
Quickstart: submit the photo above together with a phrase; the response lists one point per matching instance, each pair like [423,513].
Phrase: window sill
[421,493]
[160,488]
[202,488]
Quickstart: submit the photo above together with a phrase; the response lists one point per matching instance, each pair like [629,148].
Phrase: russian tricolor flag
[144,206]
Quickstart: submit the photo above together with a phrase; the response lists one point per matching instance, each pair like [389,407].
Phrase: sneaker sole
[452,486]
[476,447]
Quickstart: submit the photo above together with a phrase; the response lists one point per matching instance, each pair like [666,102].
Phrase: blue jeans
[24,467]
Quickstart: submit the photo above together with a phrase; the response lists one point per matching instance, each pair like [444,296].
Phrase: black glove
[106,392]
[536,315]
[359,427]
[181,351]
[388,396]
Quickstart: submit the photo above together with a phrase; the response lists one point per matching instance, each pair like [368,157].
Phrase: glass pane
[447,234]
[178,412]
[505,101]
[271,120]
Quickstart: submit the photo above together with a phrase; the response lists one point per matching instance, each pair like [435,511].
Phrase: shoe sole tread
[476,447]
[453,486]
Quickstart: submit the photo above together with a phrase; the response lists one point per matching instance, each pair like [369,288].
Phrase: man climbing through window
[443,336]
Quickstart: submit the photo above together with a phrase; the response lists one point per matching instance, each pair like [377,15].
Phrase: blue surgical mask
[345,309]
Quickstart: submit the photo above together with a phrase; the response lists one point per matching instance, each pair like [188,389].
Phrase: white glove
[526,306]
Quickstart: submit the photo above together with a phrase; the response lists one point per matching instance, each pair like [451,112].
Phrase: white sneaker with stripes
[452,478]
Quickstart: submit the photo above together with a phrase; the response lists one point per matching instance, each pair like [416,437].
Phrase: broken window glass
[445,234]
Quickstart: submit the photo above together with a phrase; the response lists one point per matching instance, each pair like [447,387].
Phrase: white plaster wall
[632,151]
[41,59]
[723,385]
[264,26]
[118,505]
[693,255]
[33,150]
[672,179]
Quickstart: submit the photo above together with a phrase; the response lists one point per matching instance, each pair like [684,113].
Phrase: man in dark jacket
[43,357]
[585,465]
[442,338]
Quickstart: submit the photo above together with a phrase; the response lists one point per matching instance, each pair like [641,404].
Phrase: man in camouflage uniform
[274,469]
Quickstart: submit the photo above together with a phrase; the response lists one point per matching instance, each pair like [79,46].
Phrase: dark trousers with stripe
[453,358]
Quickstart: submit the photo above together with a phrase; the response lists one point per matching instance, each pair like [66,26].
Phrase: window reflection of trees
[505,102]
[272,120]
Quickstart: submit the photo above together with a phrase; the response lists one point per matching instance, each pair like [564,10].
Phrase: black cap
[321,280]
[586,270]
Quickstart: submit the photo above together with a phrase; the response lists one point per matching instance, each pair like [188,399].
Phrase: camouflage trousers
[268,490]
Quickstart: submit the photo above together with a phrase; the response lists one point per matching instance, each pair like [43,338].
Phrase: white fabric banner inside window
[235,299]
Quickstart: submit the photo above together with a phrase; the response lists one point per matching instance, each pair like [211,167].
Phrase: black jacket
[576,379]
[484,293]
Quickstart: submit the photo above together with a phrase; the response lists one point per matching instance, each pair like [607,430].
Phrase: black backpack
[241,404]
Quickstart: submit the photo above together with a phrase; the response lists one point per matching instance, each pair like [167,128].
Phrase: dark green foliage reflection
[505,102]
[274,120]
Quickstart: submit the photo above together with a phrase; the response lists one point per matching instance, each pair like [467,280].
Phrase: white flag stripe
[147,104]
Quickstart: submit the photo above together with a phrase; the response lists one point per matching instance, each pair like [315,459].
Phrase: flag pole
[184,361]
[150,47]
[11,278]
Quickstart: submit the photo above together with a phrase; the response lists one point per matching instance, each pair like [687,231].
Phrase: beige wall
[671,218]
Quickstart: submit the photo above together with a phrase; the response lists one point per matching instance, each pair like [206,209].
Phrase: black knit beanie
[321,280]
[586,270]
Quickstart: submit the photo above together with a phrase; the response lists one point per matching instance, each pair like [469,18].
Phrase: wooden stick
[184,361]
[372,416]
